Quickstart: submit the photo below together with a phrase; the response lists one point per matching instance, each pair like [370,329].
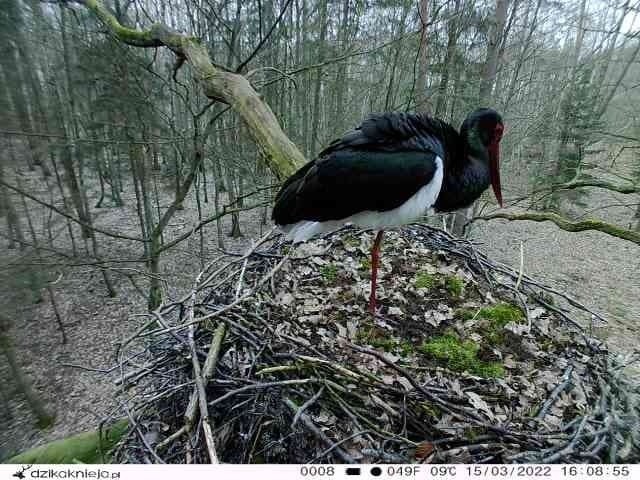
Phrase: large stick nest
[273,358]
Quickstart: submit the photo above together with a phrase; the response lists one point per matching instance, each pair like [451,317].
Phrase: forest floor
[76,379]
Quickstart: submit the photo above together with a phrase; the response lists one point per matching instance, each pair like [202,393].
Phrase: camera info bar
[313,471]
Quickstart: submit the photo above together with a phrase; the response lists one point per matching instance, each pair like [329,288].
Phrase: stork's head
[482,131]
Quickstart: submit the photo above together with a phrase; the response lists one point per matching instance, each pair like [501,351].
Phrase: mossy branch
[280,153]
[87,447]
[568,225]
[626,189]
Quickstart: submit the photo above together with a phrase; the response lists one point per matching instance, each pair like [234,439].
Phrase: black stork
[390,171]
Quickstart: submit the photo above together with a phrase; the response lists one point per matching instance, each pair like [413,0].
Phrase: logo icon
[20,473]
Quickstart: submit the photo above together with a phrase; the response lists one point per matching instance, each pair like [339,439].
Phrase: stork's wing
[398,132]
[376,167]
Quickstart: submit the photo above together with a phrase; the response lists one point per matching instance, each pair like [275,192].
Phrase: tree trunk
[44,419]
[452,40]
[14,228]
[341,83]
[390,97]
[559,145]
[317,86]
[496,33]
[526,44]
[421,80]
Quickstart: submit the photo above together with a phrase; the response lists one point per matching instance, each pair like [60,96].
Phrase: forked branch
[280,153]
[568,225]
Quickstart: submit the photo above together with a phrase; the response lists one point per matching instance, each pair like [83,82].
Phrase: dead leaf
[435,318]
[405,383]
[311,305]
[457,389]
[388,379]
[308,249]
[352,329]
[284,299]
[423,450]
[480,404]
[392,358]
[312,319]
[509,362]
[518,329]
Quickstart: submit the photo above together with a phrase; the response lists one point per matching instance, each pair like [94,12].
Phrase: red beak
[494,169]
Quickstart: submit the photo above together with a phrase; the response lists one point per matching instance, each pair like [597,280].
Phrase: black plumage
[381,164]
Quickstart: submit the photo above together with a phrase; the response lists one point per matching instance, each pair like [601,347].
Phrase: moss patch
[329,273]
[424,280]
[380,339]
[454,285]
[87,447]
[472,433]
[365,264]
[431,410]
[461,355]
[351,241]
[497,317]
[502,313]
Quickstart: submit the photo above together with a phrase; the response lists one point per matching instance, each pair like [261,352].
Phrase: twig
[521,266]
[171,438]
[319,433]
[565,382]
[337,444]
[202,399]
[207,371]
[257,386]
[306,405]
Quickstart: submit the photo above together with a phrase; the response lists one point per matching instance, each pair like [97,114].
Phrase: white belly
[415,207]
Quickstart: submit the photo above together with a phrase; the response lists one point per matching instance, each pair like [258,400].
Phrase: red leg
[375,254]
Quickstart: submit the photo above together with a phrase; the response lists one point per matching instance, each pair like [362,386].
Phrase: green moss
[546,345]
[501,314]
[368,333]
[454,285]
[387,344]
[406,348]
[472,433]
[379,339]
[430,409]
[461,356]
[489,370]
[87,447]
[351,241]
[497,317]
[329,273]
[424,280]
[458,355]
[365,264]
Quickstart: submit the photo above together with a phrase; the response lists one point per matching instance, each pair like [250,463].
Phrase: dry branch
[568,225]
[281,155]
